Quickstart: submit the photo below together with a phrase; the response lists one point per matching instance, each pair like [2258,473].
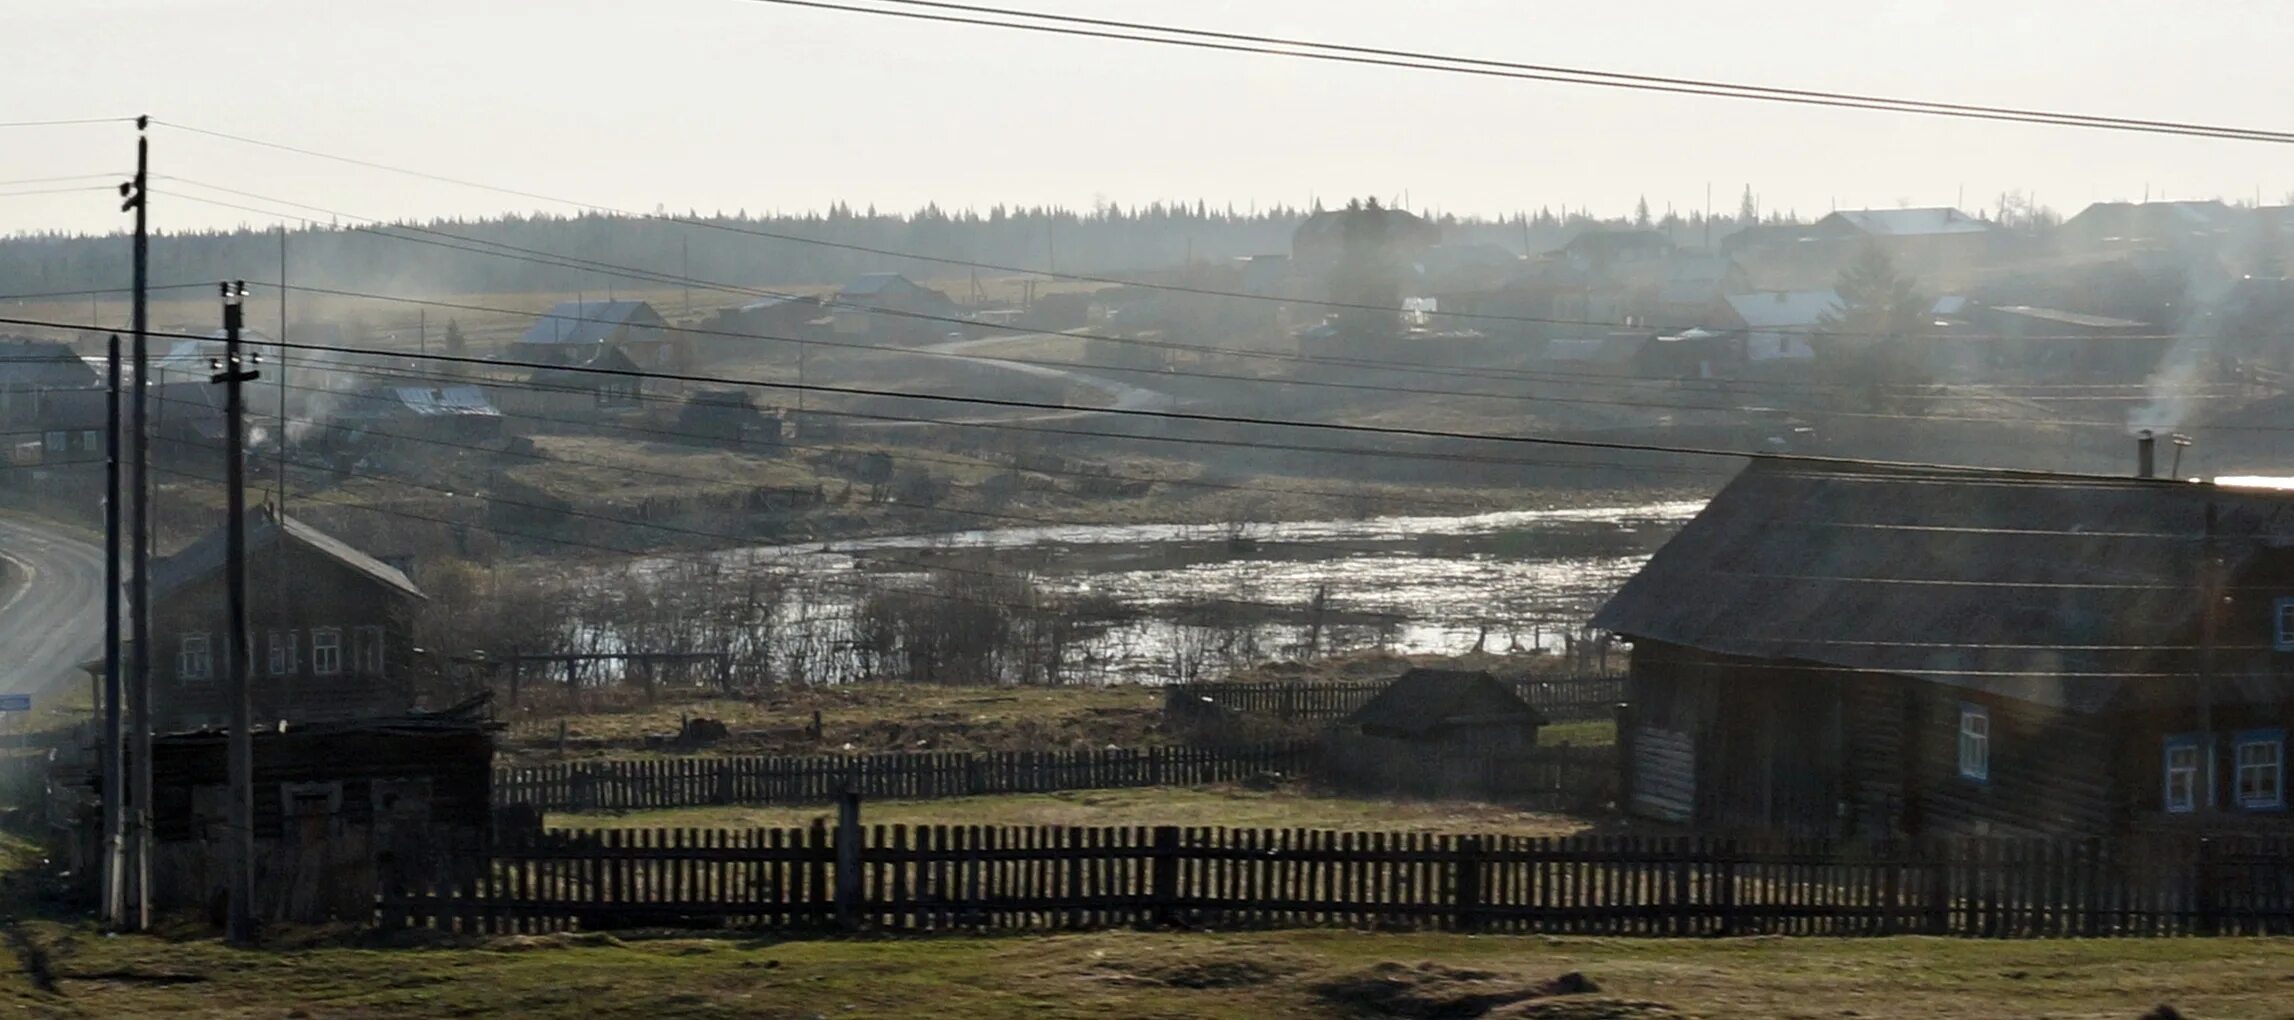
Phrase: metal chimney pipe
[2146,455]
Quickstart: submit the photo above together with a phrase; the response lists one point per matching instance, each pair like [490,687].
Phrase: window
[1974,742]
[194,658]
[2183,762]
[91,440]
[366,650]
[2282,617]
[283,662]
[2261,758]
[327,651]
[56,442]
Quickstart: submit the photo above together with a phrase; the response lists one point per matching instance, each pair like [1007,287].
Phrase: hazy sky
[728,104]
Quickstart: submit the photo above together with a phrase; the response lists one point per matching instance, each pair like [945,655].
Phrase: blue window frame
[2282,624]
[2259,760]
[2189,775]
[1974,742]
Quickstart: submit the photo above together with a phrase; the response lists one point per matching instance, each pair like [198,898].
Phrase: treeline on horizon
[1103,240]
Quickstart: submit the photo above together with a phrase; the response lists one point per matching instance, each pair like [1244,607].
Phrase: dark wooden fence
[1562,698]
[691,782]
[972,878]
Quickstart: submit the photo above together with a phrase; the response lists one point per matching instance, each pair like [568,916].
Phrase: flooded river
[1174,601]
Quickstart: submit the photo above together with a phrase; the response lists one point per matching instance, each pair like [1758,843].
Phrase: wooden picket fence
[625,785]
[973,878]
[1562,698]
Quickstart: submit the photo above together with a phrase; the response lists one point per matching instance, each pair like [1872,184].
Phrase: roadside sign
[15,702]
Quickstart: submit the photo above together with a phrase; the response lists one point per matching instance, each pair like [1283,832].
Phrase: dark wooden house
[333,629]
[607,384]
[577,332]
[1875,652]
[341,809]
[52,409]
[1433,732]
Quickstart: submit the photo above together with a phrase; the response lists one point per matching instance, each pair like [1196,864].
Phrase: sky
[735,104]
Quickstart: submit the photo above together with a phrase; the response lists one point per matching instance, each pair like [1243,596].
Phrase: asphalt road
[51,605]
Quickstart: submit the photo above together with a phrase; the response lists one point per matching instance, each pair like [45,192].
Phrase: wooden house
[892,306]
[52,409]
[578,332]
[1432,732]
[333,629]
[607,384]
[385,414]
[1872,652]
[341,810]
[1932,243]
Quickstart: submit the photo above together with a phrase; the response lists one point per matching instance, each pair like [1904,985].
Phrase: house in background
[579,332]
[575,394]
[892,307]
[1933,244]
[333,629]
[1872,652]
[1776,324]
[385,414]
[53,408]
[2057,346]
[2203,226]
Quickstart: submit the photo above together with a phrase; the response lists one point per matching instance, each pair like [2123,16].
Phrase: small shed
[1456,709]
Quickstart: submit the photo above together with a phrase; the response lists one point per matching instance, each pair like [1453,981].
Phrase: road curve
[51,605]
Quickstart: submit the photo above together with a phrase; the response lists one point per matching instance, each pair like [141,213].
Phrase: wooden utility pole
[233,372]
[280,483]
[115,747]
[2209,613]
[137,784]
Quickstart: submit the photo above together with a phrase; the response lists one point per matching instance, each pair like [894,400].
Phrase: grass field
[65,972]
[1283,808]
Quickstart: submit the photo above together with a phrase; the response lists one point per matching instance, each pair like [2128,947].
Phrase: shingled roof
[1423,702]
[2065,591]
[205,556]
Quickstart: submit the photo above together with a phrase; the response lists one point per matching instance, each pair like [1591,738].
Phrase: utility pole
[233,372]
[115,748]
[138,784]
[422,330]
[2209,613]
[280,500]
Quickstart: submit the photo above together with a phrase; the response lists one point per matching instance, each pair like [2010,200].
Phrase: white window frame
[2270,762]
[195,657]
[280,655]
[2282,624]
[2192,772]
[1974,742]
[326,651]
[366,650]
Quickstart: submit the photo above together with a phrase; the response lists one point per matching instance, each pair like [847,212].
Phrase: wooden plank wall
[976,878]
[1561,698]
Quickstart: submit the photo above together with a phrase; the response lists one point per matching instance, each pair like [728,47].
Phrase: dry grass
[1134,974]
[864,718]
[1228,806]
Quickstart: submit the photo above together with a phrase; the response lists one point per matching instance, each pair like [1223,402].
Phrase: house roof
[589,322]
[1770,309]
[441,401]
[1934,221]
[587,375]
[877,283]
[45,365]
[2072,592]
[1423,701]
[2061,317]
[2200,216]
[264,527]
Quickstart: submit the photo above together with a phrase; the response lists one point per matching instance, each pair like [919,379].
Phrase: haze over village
[1265,510]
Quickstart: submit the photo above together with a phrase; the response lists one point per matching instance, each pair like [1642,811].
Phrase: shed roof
[45,365]
[877,283]
[589,322]
[265,526]
[2061,317]
[608,366]
[443,401]
[1423,701]
[1769,309]
[2068,591]
[1928,222]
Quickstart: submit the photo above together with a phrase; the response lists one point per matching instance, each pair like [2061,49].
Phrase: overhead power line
[66,122]
[1236,42]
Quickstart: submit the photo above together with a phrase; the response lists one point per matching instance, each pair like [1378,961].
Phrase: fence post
[1724,876]
[1939,872]
[725,785]
[1166,877]
[848,884]
[2204,893]
[1467,903]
